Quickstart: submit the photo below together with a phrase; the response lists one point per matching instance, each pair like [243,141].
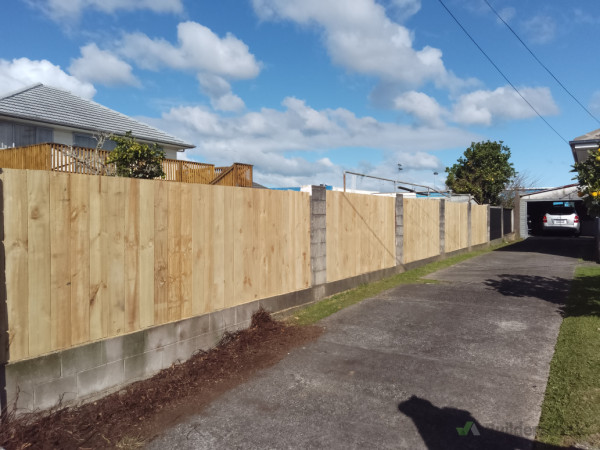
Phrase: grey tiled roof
[55,106]
[591,136]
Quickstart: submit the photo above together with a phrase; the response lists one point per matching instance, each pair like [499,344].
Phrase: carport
[535,205]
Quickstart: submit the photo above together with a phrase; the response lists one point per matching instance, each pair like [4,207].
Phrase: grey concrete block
[243,313]
[37,370]
[207,340]
[238,327]
[19,397]
[318,250]
[100,378]
[318,264]
[194,326]
[178,352]
[228,317]
[318,236]
[50,394]
[318,208]
[123,347]
[215,320]
[319,277]
[81,358]
[319,193]
[160,336]
[143,365]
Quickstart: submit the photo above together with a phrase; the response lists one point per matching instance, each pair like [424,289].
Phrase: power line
[502,73]
[541,63]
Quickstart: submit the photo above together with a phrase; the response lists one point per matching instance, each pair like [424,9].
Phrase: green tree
[588,177]
[483,171]
[136,160]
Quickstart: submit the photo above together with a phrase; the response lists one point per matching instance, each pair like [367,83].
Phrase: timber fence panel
[421,229]
[360,234]
[91,257]
[479,227]
[456,226]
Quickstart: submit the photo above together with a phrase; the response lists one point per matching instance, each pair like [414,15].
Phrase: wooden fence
[456,226]
[90,257]
[421,229]
[64,158]
[360,234]
[479,224]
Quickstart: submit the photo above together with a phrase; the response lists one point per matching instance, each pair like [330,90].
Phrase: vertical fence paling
[92,257]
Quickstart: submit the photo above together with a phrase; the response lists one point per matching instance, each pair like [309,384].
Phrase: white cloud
[101,66]
[219,92]
[540,29]
[23,72]
[425,108]
[198,49]
[360,37]
[61,10]
[265,138]
[403,9]
[507,13]
[594,105]
[485,107]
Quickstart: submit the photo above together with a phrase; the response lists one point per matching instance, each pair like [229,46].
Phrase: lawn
[319,310]
[571,409]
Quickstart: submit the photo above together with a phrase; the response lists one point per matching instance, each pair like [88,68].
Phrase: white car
[561,216]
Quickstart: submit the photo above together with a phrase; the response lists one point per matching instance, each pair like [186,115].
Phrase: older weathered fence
[64,158]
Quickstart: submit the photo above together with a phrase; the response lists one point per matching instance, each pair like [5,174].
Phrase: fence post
[318,235]
[469,225]
[502,222]
[442,227]
[4,337]
[399,229]
[517,215]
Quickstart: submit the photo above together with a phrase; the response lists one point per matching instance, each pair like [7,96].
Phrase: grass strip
[571,408]
[323,308]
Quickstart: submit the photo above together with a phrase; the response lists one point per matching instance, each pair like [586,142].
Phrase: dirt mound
[140,411]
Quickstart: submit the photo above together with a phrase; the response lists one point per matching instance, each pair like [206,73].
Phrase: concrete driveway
[407,368]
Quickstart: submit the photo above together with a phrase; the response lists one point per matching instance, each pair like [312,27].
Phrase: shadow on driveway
[454,429]
[551,289]
[571,247]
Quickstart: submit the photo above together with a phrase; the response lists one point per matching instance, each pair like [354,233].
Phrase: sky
[305,89]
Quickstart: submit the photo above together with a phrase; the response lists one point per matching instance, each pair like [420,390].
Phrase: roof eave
[182,145]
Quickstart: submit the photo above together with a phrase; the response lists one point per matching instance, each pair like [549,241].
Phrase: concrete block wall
[85,372]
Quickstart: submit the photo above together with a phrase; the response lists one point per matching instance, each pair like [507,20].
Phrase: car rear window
[561,210]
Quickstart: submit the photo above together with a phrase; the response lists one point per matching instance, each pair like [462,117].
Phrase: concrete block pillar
[442,227]
[399,229]
[502,222]
[318,235]
[469,226]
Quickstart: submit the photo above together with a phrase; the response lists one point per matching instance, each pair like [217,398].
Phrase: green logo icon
[469,426]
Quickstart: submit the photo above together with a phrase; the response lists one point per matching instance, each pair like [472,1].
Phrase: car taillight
[576,219]
[545,219]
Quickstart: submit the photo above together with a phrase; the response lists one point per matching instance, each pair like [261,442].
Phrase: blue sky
[304,89]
